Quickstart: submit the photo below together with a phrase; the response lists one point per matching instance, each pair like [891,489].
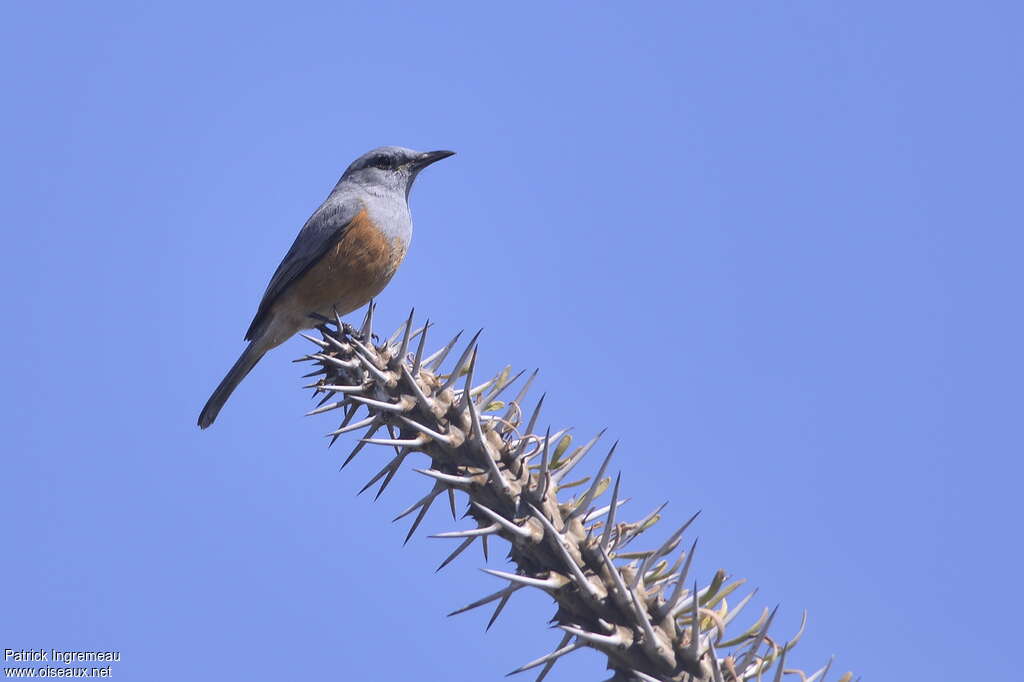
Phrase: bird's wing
[322,231]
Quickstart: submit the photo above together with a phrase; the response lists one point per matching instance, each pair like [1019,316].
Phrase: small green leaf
[560,449]
[574,483]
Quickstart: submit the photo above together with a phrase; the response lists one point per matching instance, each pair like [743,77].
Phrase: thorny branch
[634,607]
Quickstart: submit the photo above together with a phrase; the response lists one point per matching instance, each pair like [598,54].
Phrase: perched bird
[345,254]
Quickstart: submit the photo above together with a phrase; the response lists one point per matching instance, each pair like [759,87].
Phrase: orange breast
[352,272]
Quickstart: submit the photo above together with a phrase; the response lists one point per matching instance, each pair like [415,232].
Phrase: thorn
[625,597]
[782,663]
[435,360]
[319,342]
[421,397]
[390,468]
[575,459]
[752,652]
[400,442]
[333,388]
[643,525]
[615,640]
[488,599]
[328,408]
[669,609]
[425,500]
[577,572]
[607,534]
[498,390]
[450,479]
[367,329]
[525,389]
[821,673]
[327,396]
[331,360]
[673,539]
[497,611]
[533,417]
[404,348]
[518,531]
[461,363]
[403,405]
[472,533]
[667,547]
[371,367]
[554,581]
[587,498]
[337,320]
[543,475]
[477,390]
[439,437]
[650,642]
[731,615]
[424,505]
[451,502]
[598,513]
[551,664]
[359,446]
[694,648]
[716,668]
[336,343]
[352,427]
[419,350]
[562,650]
[495,474]
[458,550]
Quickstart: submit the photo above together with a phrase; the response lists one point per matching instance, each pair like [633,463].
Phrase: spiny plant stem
[634,607]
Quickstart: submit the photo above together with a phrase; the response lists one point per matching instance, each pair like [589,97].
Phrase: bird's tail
[246,361]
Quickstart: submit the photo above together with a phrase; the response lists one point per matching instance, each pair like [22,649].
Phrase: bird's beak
[427,158]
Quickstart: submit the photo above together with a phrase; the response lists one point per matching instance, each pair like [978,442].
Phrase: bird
[343,256]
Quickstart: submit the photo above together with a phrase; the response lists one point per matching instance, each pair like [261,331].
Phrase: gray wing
[322,231]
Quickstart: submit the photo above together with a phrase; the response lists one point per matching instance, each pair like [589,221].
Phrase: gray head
[390,168]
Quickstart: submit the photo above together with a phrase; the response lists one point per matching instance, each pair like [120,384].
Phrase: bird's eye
[384,162]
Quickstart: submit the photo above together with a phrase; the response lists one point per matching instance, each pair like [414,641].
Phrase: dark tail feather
[246,361]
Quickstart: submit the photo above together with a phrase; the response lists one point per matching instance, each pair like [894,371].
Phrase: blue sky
[774,248]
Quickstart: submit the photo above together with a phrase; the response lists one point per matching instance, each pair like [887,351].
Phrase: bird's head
[390,168]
